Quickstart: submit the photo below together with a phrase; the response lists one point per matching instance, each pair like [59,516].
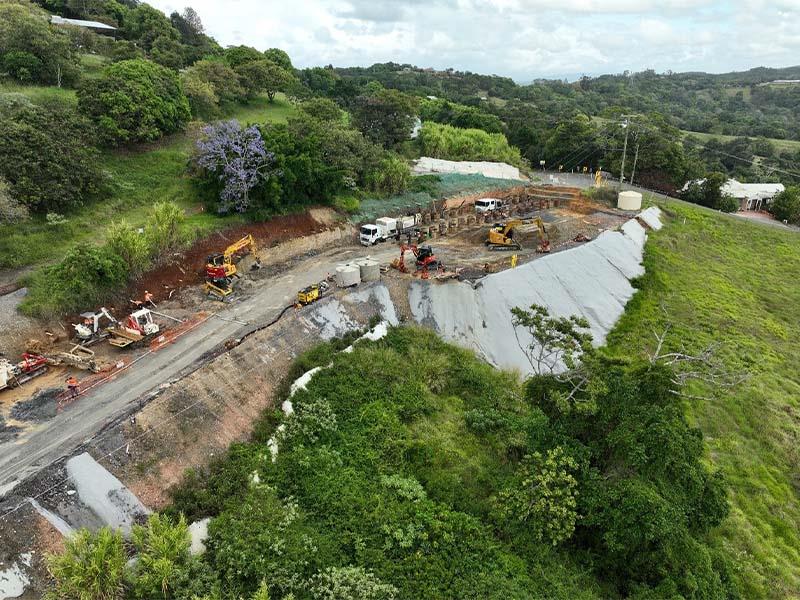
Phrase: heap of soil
[42,406]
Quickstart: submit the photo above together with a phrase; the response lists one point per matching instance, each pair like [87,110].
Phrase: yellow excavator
[221,268]
[501,236]
[223,265]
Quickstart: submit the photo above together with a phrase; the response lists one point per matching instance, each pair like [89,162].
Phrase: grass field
[720,279]
[780,145]
[138,178]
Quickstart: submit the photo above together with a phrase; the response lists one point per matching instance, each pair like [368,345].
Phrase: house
[95,26]
[751,196]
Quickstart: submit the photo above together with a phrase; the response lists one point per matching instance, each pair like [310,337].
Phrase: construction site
[102,413]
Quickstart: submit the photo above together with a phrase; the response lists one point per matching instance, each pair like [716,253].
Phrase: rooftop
[56,20]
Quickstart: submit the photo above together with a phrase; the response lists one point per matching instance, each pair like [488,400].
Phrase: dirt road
[80,420]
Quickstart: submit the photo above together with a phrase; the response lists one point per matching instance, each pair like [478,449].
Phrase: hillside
[719,280]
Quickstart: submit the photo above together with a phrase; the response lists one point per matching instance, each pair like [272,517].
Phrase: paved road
[76,424]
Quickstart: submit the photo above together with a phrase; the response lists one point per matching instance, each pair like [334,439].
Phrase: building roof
[750,191]
[56,20]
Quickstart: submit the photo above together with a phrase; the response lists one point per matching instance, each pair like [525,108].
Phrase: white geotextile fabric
[592,280]
[496,170]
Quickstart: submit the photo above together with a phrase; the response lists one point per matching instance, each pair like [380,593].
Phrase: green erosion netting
[449,185]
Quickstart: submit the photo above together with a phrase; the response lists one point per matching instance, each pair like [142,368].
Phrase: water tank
[629,201]
[370,269]
[348,275]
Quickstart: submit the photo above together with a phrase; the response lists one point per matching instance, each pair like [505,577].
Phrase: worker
[72,386]
[148,299]
[513,261]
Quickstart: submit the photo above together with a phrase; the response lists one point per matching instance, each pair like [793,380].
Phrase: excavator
[90,329]
[222,265]
[221,268]
[501,236]
[138,326]
[425,259]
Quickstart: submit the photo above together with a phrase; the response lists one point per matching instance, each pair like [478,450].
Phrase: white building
[751,196]
[95,26]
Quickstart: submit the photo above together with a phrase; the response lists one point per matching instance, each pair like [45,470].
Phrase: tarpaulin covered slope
[592,280]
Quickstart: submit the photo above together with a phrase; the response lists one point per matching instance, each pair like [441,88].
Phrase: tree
[385,117]
[556,342]
[135,101]
[572,143]
[452,143]
[322,109]
[162,556]
[786,205]
[47,158]
[32,50]
[92,567]
[263,76]
[145,24]
[202,97]
[238,55]
[543,501]
[221,77]
[280,58]
[237,158]
[168,51]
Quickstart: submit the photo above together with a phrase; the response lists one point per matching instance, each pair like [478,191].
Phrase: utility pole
[635,158]
[625,126]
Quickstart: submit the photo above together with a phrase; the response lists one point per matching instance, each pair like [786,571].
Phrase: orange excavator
[426,260]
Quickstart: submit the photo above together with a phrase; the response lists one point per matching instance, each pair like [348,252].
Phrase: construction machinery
[219,289]
[308,295]
[501,236]
[544,240]
[426,260]
[138,326]
[90,329]
[15,374]
[220,266]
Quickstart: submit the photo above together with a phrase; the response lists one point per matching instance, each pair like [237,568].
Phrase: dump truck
[386,228]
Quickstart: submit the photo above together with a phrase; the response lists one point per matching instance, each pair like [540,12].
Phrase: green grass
[138,178]
[40,94]
[780,145]
[729,281]
[93,64]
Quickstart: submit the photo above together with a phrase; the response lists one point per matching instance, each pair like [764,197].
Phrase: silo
[370,269]
[348,275]
[629,201]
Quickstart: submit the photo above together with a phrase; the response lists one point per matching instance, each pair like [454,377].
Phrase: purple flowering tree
[237,158]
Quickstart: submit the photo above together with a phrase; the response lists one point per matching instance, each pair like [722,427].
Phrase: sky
[522,39]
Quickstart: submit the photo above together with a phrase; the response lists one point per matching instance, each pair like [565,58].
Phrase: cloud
[523,39]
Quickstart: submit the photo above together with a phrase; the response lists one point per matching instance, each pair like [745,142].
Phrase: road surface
[81,420]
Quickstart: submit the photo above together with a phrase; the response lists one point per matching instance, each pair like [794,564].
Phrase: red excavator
[426,260]
[15,374]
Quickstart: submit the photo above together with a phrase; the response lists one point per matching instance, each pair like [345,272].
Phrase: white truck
[486,204]
[385,228]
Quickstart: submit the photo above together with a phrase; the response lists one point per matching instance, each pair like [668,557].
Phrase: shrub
[163,555]
[133,247]
[135,101]
[46,155]
[87,275]
[92,566]
[390,178]
[202,98]
[728,204]
[11,211]
[786,205]
[348,204]
[353,583]
[164,233]
[451,143]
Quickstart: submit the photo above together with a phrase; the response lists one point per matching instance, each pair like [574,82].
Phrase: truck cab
[486,204]
[369,234]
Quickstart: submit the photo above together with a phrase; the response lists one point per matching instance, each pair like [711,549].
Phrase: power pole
[625,125]
[635,158]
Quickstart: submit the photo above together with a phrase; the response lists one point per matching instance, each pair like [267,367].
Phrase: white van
[486,204]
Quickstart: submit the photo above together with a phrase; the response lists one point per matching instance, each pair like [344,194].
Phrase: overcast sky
[523,39]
